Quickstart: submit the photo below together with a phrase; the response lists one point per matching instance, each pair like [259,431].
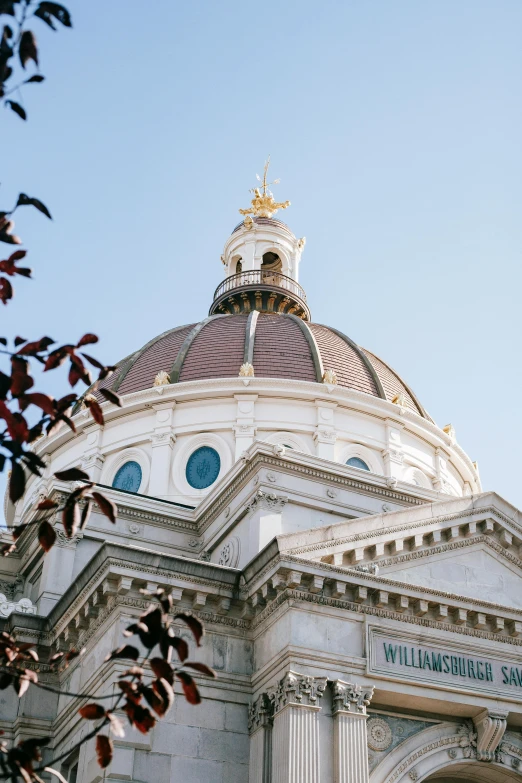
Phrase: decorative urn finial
[263,204]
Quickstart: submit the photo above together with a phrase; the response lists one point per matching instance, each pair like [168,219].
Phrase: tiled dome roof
[278,346]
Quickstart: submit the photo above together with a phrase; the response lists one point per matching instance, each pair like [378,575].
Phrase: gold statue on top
[263,204]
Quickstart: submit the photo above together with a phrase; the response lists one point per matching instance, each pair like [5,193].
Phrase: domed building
[360,592]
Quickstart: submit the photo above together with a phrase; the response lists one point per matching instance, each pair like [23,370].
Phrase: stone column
[350,746]
[260,722]
[295,745]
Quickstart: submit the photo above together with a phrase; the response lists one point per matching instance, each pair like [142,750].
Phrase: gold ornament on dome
[246,370]
[400,399]
[263,203]
[162,379]
[330,376]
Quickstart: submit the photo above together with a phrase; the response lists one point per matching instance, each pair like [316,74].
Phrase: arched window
[203,467]
[356,462]
[128,477]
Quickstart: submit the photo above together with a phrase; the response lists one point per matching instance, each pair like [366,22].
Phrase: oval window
[128,477]
[355,462]
[203,467]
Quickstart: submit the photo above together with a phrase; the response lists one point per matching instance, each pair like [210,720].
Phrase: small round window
[203,467]
[128,477]
[355,462]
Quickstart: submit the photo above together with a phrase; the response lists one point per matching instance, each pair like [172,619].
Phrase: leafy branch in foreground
[146,688]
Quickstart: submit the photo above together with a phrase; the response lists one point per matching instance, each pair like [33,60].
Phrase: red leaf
[71,517]
[16,482]
[96,411]
[56,358]
[201,668]
[41,401]
[106,506]
[112,397]
[127,651]
[194,624]
[46,536]
[21,381]
[21,113]
[139,716]
[189,688]
[27,49]
[87,339]
[162,669]
[92,711]
[22,683]
[103,750]
[72,474]
[86,512]
[47,503]
[6,290]
[165,692]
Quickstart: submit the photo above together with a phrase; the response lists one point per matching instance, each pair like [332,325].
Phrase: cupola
[261,260]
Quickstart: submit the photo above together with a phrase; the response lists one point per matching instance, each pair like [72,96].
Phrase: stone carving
[10,589]
[298,689]
[229,555]
[332,492]
[468,739]
[62,540]
[490,726]
[385,507]
[193,542]
[271,477]
[350,697]
[452,753]
[260,712]
[414,775]
[515,763]
[205,556]
[367,568]
[267,500]
[134,528]
[23,605]
[246,370]
[330,377]
[162,379]
[379,734]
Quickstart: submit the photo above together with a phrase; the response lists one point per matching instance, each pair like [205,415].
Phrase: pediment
[476,571]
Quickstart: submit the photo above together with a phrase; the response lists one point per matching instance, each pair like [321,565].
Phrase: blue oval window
[203,467]
[355,462]
[128,477]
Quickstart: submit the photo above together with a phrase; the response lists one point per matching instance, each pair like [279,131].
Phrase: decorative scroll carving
[229,555]
[261,713]
[298,689]
[468,739]
[62,540]
[267,500]
[349,697]
[23,605]
[491,726]
[10,589]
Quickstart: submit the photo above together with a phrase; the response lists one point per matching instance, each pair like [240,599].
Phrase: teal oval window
[128,477]
[203,467]
[355,462]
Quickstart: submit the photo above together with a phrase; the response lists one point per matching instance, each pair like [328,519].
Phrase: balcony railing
[259,277]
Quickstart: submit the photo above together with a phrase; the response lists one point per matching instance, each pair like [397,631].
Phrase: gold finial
[161,379]
[330,377]
[246,370]
[263,204]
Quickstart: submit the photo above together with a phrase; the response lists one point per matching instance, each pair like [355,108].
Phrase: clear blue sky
[395,128]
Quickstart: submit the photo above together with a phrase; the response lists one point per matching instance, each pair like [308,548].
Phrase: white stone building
[361,595]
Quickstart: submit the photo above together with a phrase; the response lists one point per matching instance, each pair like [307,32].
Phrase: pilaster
[393,455]
[295,746]
[260,722]
[244,428]
[325,434]
[350,744]
[162,442]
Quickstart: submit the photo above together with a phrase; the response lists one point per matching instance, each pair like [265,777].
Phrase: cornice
[392,530]
[373,611]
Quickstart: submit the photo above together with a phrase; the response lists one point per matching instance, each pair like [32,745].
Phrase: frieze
[374,611]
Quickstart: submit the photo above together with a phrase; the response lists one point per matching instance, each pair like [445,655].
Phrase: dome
[277,345]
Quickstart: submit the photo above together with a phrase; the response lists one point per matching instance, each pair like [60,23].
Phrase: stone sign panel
[462,665]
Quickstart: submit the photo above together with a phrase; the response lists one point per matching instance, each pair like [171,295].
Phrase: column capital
[298,690]
[261,713]
[350,697]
